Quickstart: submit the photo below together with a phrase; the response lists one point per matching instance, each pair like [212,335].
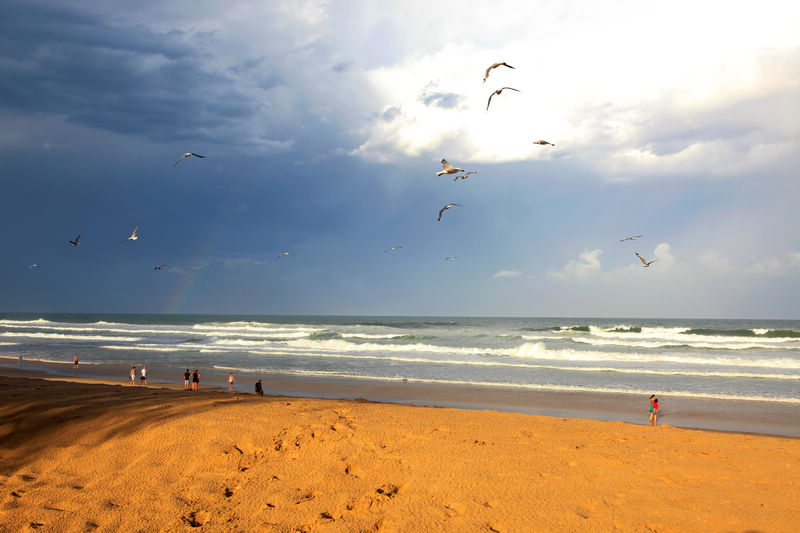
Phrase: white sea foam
[678,336]
[61,336]
[336,349]
[740,345]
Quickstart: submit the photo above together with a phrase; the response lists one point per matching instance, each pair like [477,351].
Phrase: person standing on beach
[653,411]
[231,381]
[186,376]
[75,365]
[144,375]
[195,380]
[259,389]
[132,375]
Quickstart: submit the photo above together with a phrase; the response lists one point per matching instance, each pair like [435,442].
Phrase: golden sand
[84,456]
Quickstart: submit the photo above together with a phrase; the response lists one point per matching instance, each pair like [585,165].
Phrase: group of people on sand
[142,375]
[194,377]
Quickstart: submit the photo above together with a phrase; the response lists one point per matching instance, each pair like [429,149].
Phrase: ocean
[748,360]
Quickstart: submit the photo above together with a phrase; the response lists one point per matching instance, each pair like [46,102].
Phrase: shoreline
[738,416]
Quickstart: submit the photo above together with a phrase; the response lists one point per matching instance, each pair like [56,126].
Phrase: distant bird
[75,242]
[188,154]
[631,238]
[160,267]
[445,208]
[392,248]
[450,258]
[448,168]
[645,263]
[284,253]
[541,142]
[498,91]
[31,267]
[133,236]
[488,70]
[466,175]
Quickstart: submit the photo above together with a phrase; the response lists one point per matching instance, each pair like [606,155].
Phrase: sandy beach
[80,456]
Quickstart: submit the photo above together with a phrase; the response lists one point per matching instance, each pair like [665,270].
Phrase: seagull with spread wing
[31,267]
[160,267]
[75,242]
[392,248]
[631,238]
[542,143]
[450,258]
[188,154]
[134,235]
[445,208]
[448,168]
[488,70]
[284,253]
[465,175]
[498,91]
[645,263]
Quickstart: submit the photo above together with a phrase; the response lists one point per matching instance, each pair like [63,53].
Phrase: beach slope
[86,456]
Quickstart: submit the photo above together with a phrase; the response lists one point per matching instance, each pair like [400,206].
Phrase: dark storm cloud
[125,79]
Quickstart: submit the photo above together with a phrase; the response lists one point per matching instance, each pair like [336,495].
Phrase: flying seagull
[160,267]
[500,64]
[631,238]
[466,175]
[448,168]
[541,142]
[445,208]
[498,91]
[75,242]
[133,236]
[31,267]
[645,263]
[450,258]
[284,253]
[392,248]
[188,154]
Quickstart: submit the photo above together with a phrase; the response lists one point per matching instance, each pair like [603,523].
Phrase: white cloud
[507,274]
[664,256]
[774,266]
[584,268]
[714,262]
[712,102]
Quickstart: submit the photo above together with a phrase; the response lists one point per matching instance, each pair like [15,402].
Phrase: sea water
[752,360]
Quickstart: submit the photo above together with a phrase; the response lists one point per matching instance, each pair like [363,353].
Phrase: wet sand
[772,418]
[91,456]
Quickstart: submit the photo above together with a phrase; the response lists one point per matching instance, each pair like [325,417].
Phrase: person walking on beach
[144,375]
[132,375]
[75,365]
[186,376]
[231,381]
[653,411]
[195,380]
[259,389]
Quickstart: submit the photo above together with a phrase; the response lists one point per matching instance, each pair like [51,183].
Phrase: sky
[324,123]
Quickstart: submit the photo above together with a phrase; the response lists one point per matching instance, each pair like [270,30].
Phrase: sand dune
[81,456]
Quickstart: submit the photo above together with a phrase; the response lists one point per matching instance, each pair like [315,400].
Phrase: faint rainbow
[182,295]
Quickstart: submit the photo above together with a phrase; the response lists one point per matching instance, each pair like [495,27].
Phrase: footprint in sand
[390,491]
[196,518]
